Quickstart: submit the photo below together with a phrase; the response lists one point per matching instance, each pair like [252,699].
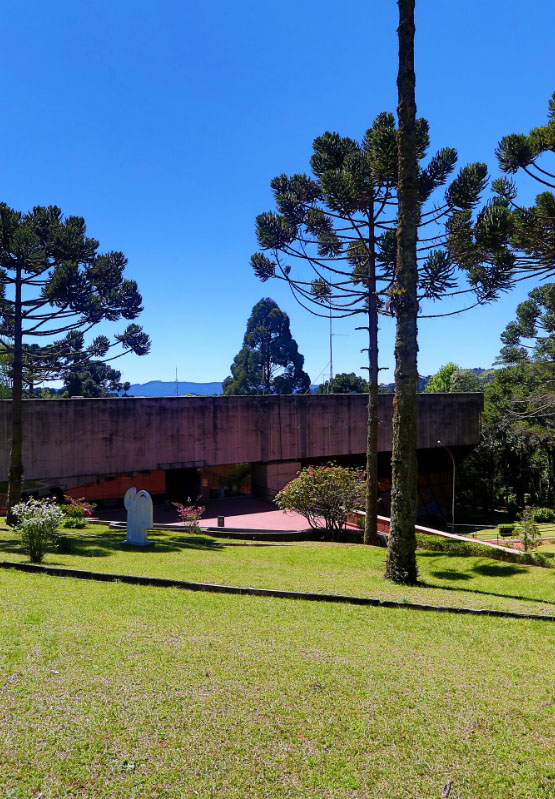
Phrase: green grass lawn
[546,529]
[111,691]
[488,533]
[328,568]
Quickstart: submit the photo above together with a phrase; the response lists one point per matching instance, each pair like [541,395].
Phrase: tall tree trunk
[549,478]
[15,475]
[401,555]
[267,375]
[371,525]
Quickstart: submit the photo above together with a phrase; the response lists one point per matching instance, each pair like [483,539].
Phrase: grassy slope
[121,691]
[342,569]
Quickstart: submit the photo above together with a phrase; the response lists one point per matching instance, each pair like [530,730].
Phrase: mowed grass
[546,530]
[317,567]
[118,691]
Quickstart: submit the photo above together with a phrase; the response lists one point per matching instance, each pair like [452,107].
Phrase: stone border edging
[165,582]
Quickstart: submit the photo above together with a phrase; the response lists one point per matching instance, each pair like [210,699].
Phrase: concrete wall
[87,438]
[269,478]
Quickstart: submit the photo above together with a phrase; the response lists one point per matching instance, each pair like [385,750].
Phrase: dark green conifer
[269,361]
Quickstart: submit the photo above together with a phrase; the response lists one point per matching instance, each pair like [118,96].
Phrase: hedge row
[433,543]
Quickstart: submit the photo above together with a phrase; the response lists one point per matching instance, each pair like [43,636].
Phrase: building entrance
[182,484]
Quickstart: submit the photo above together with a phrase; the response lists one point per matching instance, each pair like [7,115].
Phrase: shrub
[528,532]
[542,514]
[76,511]
[325,495]
[545,559]
[506,530]
[190,514]
[433,543]
[436,543]
[37,524]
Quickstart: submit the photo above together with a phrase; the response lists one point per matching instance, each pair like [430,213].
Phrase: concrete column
[269,478]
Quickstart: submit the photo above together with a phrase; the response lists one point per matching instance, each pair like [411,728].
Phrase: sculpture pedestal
[146,545]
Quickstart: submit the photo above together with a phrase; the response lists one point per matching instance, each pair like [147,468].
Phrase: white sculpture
[138,505]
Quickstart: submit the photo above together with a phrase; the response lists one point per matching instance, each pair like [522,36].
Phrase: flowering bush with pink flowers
[190,514]
[325,495]
[76,511]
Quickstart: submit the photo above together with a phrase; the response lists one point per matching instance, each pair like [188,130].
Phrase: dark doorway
[182,484]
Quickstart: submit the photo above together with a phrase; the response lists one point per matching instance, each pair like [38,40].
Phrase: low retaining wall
[162,582]
[384,524]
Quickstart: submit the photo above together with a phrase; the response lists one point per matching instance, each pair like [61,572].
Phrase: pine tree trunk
[401,555]
[549,479]
[371,522]
[15,475]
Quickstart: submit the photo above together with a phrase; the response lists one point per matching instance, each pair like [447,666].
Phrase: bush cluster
[76,512]
[37,524]
[433,543]
[542,514]
[325,495]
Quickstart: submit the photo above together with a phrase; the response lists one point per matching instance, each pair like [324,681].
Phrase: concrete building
[185,446]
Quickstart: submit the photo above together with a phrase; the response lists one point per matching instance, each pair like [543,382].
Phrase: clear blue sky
[163,122]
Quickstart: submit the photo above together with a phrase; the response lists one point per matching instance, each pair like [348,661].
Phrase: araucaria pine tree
[401,549]
[53,281]
[530,231]
[340,225]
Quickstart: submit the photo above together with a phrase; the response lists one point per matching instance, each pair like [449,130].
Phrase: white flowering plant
[37,524]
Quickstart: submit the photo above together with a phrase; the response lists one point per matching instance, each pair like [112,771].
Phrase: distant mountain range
[169,388]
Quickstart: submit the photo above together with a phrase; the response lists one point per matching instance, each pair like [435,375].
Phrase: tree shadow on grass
[452,574]
[499,569]
[458,589]
[493,569]
[476,591]
[10,545]
[486,569]
[177,543]
[91,545]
